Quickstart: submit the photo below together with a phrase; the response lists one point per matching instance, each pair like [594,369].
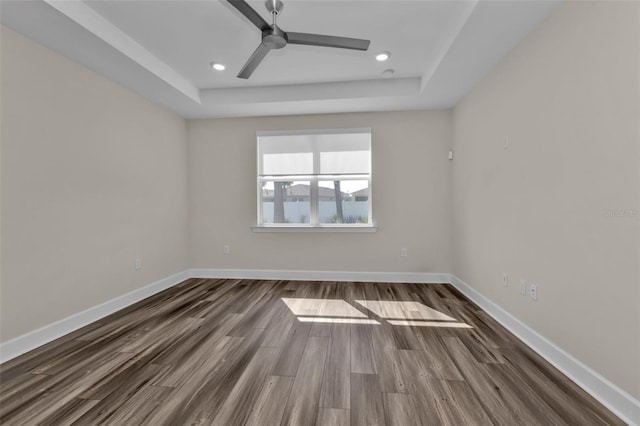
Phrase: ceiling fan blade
[328,41]
[250,14]
[253,61]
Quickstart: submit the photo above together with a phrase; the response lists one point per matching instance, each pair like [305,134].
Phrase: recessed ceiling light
[218,67]
[382,56]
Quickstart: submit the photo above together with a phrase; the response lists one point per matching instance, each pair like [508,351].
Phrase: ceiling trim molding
[448,42]
[313,91]
[473,38]
[96,24]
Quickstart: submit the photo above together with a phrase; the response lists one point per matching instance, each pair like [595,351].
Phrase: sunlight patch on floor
[339,320]
[403,310]
[397,313]
[429,324]
[322,308]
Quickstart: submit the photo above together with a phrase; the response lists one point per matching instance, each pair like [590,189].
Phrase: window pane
[344,201]
[332,166]
[285,202]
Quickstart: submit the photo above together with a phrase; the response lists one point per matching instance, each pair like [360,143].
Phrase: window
[314,179]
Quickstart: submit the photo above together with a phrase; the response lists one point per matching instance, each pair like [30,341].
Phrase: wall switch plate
[505,280]
[523,287]
[226,249]
[404,252]
[138,264]
[533,292]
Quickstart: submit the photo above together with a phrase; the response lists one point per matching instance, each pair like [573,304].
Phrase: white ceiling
[162,50]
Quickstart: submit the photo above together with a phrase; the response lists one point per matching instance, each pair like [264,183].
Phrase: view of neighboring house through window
[314,178]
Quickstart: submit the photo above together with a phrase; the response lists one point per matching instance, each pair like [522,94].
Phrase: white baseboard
[611,396]
[29,341]
[615,399]
[270,274]
[22,344]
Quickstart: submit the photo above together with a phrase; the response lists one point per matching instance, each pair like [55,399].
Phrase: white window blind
[315,154]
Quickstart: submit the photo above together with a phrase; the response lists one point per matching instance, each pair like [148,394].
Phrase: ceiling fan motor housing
[274,38]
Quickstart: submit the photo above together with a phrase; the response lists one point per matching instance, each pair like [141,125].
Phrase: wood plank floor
[236,352]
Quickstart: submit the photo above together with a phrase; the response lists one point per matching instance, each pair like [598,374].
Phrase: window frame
[314,224]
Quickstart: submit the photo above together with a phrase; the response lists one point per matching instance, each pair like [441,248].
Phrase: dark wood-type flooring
[236,352]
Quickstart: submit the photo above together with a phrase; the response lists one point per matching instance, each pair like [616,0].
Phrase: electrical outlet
[533,292]
[505,280]
[226,249]
[138,264]
[404,252]
[523,287]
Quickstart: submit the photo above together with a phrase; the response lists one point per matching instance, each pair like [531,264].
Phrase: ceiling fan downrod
[274,7]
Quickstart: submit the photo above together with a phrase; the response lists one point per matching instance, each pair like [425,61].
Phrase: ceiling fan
[273,37]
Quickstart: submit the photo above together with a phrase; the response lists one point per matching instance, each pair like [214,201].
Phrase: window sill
[327,228]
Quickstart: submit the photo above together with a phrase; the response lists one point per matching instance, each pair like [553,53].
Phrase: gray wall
[567,98]
[411,197]
[93,176]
